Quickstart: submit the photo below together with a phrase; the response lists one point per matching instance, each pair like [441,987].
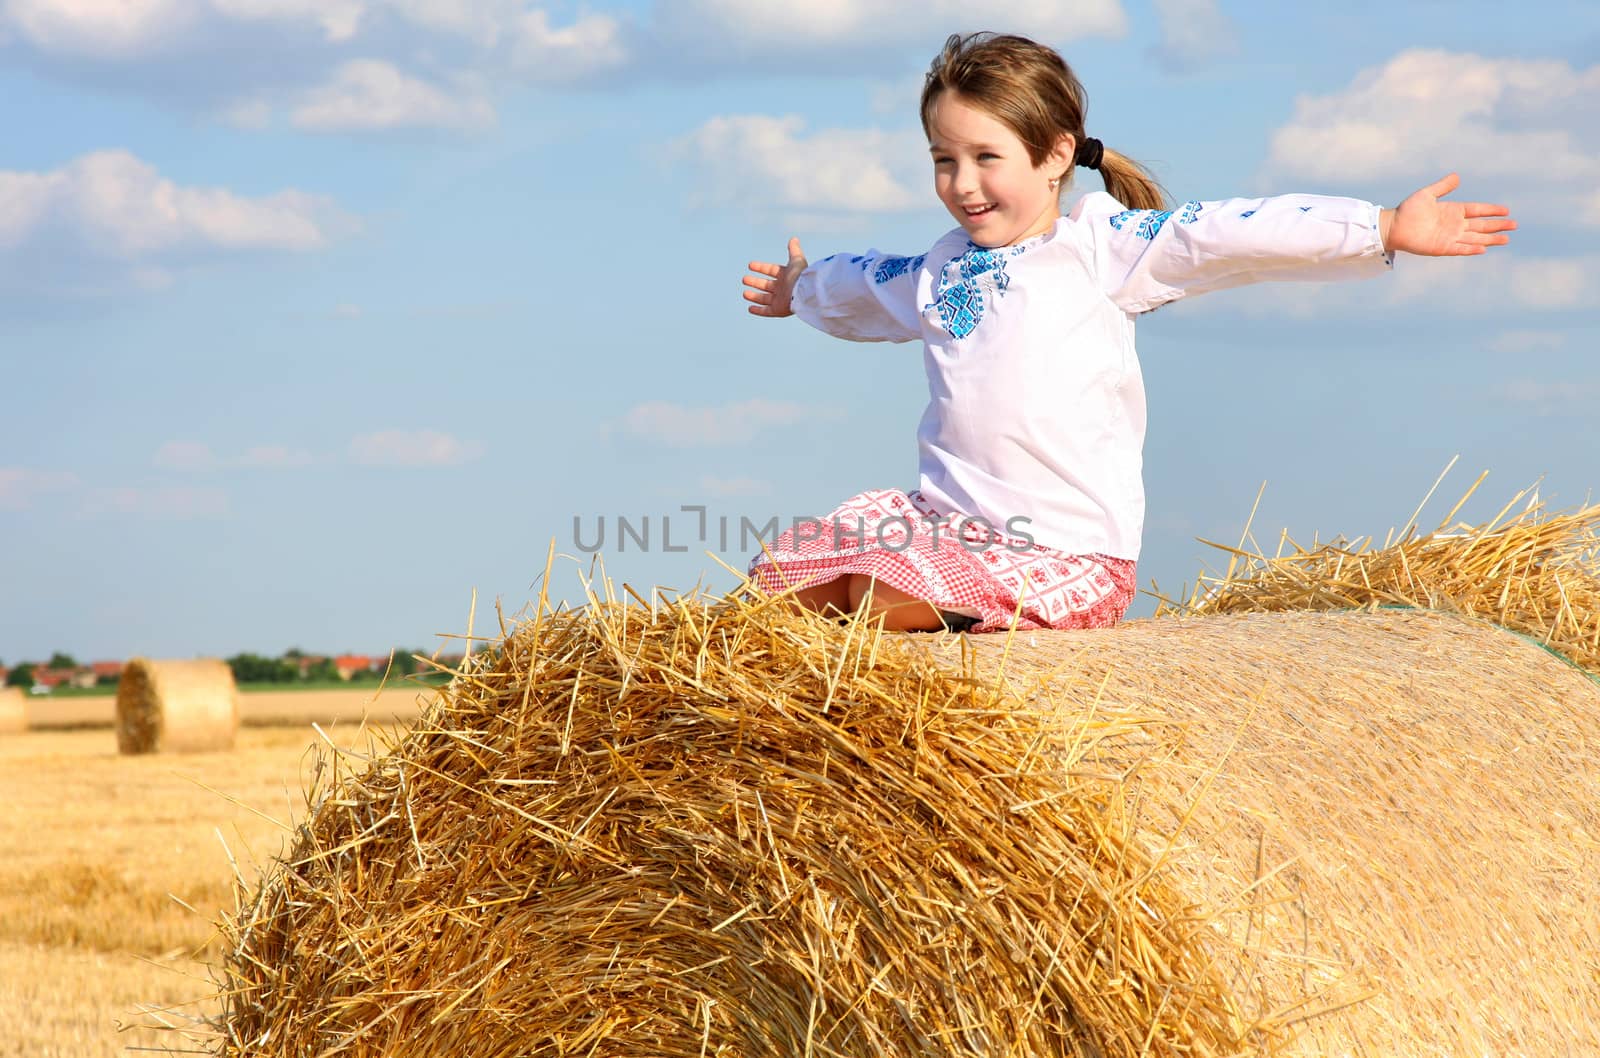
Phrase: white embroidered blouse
[1036,411]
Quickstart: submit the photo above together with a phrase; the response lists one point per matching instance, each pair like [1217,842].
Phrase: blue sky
[317,316]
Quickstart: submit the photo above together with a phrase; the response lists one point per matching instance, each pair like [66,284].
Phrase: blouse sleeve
[870,297]
[1146,258]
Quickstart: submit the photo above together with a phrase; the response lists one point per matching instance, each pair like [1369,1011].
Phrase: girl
[1030,505]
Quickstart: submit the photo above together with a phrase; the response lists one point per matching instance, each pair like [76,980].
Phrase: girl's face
[984,176]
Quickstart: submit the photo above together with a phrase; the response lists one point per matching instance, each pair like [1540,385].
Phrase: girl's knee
[901,612]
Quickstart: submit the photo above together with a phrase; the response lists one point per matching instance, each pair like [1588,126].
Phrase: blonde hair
[1031,90]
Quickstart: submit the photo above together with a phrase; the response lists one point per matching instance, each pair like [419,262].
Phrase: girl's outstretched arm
[772,296]
[1424,225]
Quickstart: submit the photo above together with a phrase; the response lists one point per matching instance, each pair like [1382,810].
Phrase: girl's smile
[985,177]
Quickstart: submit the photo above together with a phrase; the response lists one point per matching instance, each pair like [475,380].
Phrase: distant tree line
[296,666]
[293,666]
[22,675]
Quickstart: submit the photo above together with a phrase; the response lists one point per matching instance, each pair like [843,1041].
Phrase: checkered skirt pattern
[957,564]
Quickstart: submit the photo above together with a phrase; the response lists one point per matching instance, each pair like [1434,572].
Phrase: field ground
[398,701]
[101,847]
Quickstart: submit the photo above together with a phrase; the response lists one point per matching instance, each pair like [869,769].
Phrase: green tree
[253,668]
[58,660]
[21,676]
[323,669]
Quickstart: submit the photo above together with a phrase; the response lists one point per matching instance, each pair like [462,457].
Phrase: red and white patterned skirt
[957,564]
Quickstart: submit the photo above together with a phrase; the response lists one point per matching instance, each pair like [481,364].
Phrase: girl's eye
[986,156]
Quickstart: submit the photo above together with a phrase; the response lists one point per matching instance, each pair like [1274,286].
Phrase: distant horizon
[324,324]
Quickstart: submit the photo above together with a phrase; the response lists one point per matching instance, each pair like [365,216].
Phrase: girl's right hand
[770,296]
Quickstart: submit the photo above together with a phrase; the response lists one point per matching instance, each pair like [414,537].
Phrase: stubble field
[116,868]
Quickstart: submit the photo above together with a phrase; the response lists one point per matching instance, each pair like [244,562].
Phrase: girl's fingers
[1485,209]
[759,284]
[766,268]
[1442,187]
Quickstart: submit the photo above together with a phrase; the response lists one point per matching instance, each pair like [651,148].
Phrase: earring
[1054,181]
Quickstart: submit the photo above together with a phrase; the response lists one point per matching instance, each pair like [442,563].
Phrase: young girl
[1030,505]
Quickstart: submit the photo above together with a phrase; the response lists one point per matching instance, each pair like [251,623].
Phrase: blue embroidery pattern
[890,267]
[1247,214]
[960,301]
[1146,223]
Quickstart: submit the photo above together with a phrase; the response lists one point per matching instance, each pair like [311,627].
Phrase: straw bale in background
[13,711]
[176,706]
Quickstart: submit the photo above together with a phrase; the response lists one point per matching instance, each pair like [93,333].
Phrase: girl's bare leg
[900,612]
[832,598]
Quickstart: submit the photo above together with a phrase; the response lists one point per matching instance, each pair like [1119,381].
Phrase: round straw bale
[731,830]
[1392,817]
[13,711]
[176,706]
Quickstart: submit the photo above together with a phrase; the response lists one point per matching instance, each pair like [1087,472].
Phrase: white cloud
[275,456]
[542,52]
[185,455]
[98,28]
[412,448]
[337,19]
[368,95]
[1194,34]
[1494,283]
[497,40]
[682,426]
[175,502]
[875,24]
[768,164]
[197,456]
[1526,127]
[20,486]
[493,43]
[1550,398]
[112,204]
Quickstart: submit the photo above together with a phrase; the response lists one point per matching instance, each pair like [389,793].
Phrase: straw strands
[1391,818]
[716,827]
[176,706]
[725,829]
[1529,570]
[13,711]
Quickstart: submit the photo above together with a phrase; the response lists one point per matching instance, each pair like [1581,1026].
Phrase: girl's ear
[1060,158]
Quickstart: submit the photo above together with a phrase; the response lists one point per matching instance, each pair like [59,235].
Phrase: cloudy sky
[319,316]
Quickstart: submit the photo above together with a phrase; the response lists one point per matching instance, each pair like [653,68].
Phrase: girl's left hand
[1426,226]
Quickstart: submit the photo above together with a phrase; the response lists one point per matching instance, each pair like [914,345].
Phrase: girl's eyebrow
[936,147]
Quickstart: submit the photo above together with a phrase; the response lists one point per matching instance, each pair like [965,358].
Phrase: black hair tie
[1090,153]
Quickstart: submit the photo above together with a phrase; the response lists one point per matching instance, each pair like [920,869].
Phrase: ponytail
[1131,183]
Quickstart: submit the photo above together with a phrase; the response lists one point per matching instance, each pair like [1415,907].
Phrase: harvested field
[396,703]
[95,843]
